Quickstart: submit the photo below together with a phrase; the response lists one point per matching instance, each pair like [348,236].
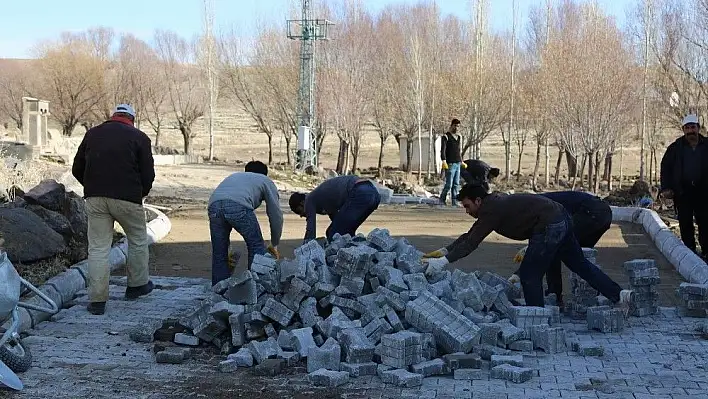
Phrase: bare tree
[186,93]
[207,57]
[15,83]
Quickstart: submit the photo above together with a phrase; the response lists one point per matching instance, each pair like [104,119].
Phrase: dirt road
[186,251]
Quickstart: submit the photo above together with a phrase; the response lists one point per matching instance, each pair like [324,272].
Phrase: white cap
[691,118]
[126,109]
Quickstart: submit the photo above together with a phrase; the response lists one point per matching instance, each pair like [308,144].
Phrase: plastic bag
[10,286]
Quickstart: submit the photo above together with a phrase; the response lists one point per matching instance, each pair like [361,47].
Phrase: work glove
[234,257]
[444,165]
[520,255]
[438,253]
[514,279]
[273,250]
[435,265]
[463,165]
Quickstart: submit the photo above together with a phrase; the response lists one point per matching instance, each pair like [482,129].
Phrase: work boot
[137,292]
[626,301]
[96,308]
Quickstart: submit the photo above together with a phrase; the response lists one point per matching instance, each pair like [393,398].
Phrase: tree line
[567,78]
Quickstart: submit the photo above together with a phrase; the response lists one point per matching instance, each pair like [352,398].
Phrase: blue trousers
[452,183]
[558,241]
[363,200]
[224,216]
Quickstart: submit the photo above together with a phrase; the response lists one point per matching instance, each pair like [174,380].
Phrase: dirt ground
[186,251]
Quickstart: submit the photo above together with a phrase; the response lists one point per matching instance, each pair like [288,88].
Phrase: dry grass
[22,174]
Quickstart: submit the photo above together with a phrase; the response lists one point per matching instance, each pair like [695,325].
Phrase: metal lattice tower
[307,30]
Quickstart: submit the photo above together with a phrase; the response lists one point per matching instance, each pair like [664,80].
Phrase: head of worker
[454,125]
[297,204]
[257,167]
[691,127]
[471,196]
[124,111]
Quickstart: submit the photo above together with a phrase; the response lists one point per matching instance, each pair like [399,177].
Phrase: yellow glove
[514,279]
[520,255]
[438,253]
[234,257]
[444,165]
[463,165]
[274,251]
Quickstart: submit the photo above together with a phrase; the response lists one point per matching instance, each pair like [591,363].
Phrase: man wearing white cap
[684,177]
[114,163]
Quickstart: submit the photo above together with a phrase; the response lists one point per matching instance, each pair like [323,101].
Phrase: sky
[26,23]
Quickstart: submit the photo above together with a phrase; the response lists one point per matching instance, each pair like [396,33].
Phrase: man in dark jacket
[114,163]
[478,172]
[451,155]
[591,216]
[546,225]
[684,177]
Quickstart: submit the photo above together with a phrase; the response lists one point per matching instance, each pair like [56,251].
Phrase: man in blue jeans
[347,200]
[546,225]
[591,216]
[232,205]
[451,155]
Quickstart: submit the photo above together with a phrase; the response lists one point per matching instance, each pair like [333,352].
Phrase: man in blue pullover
[347,200]
[591,218]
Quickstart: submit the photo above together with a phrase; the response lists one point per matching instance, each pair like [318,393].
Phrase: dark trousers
[590,222]
[224,216]
[558,242]
[693,203]
[363,200]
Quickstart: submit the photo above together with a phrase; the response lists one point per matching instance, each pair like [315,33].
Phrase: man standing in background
[684,178]
[451,155]
[115,166]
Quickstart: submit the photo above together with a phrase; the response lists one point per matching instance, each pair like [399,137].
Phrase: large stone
[55,220]
[27,237]
[49,194]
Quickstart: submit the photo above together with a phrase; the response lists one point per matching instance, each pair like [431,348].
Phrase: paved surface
[80,355]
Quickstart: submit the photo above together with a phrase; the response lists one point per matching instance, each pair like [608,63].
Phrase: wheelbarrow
[15,357]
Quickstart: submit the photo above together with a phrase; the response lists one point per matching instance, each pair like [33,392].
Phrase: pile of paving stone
[364,306]
[695,299]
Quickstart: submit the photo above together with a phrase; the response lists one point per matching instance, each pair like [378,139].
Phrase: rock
[75,211]
[4,194]
[27,237]
[49,194]
[55,220]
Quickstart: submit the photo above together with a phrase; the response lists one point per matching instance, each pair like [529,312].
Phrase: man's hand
[438,253]
[463,165]
[667,193]
[444,165]
[520,255]
[435,265]
[273,250]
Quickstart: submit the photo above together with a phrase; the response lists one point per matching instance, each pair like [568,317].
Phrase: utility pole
[647,21]
[307,30]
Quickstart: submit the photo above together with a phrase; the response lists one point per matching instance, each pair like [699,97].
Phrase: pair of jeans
[363,200]
[558,241]
[452,183]
[590,222]
[692,202]
[225,215]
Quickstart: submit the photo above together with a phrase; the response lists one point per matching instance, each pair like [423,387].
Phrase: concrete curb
[63,288]
[687,263]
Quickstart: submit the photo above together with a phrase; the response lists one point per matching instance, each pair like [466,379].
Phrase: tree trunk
[572,163]
[67,129]
[157,137]
[409,155]
[651,168]
[558,165]
[547,165]
[656,165]
[270,149]
[507,157]
[342,156]
[518,164]
[536,166]
[598,161]
[187,138]
[288,156]
[608,169]
[355,157]
[381,154]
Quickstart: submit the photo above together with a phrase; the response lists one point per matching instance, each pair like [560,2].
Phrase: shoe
[626,301]
[137,292]
[96,308]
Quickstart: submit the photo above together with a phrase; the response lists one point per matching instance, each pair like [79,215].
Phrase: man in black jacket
[478,172]
[451,157]
[684,177]
[114,163]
